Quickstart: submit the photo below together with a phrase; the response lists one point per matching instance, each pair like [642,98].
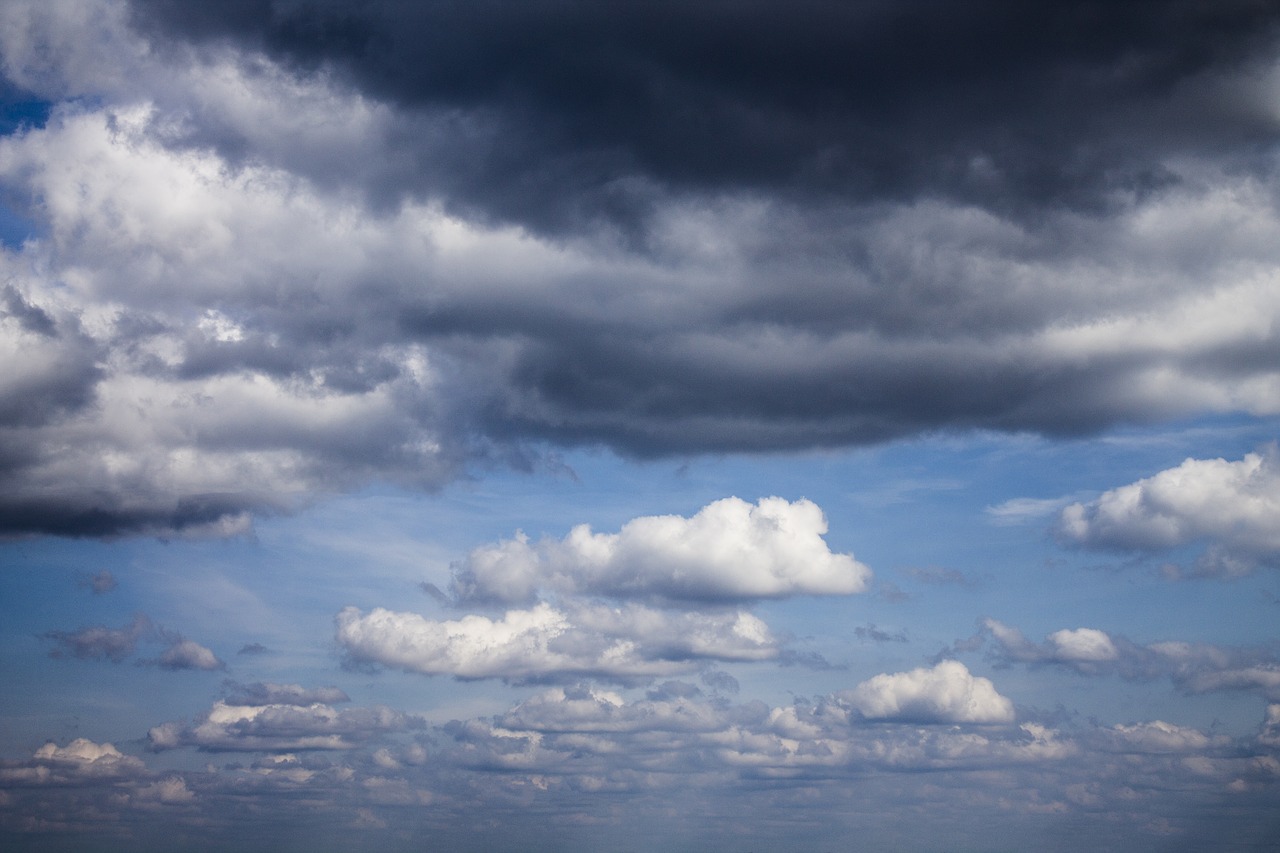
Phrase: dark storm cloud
[282,250]
[570,111]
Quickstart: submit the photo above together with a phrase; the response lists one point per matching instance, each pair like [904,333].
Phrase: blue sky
[642,427]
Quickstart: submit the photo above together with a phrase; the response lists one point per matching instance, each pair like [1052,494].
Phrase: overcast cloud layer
[660,228]
[454,424]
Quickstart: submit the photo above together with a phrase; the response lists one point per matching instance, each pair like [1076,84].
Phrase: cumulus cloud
[543,642]
[280,727]
[79,762]
[1233,507]
[947,693]
[730,550]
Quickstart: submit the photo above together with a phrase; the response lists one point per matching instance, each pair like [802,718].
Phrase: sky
[571,426]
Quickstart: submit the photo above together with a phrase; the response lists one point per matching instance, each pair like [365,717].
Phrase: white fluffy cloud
[946,693]
[1234,507]
[542,642]
[728,550]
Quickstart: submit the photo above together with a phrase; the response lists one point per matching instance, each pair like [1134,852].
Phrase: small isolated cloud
[188,654]
[1233,507]
[280,727]
[730,550]
[544,642]
[940,576]
[873,634]
[947,693]
[100,583]
[99,642]
[1023,510]
[252,649]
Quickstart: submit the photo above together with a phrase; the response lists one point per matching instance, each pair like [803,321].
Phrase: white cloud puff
[1233,506]
[947,693]
[545,642]
[730,550]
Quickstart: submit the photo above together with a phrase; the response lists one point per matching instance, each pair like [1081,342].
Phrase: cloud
[101,643]
[545,643]
[188,654]
[270,693]
[1232,506]
[116,644]
[730,550]
[280,727]
[100,583]
[439,258]
[80,761]
[947,693]
[1194,668]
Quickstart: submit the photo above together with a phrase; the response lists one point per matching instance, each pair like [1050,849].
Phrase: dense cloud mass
[1234,507]
[655,227]
[730,550]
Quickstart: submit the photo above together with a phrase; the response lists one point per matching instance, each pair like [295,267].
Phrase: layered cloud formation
[222,308]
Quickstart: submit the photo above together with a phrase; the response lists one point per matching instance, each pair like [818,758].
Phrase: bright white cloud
[947,693]
[1233,506]
[728,550]
[625,642]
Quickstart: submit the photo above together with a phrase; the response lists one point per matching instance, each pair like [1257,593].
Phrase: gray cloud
[281,726]
[1192,667]
[100,583]
[98,642]
[188,654]
[538,769]
[791,231]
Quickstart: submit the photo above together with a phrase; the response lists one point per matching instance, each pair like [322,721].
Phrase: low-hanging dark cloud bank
[282,250]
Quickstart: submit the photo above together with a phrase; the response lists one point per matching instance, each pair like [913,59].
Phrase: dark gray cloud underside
[572,111]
